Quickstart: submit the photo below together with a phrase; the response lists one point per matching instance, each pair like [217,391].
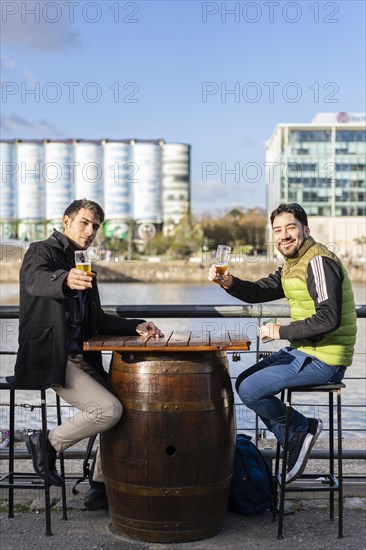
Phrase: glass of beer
[266,340]
[83,261]
[222,261]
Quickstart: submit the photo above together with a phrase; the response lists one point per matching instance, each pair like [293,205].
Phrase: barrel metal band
[213,523]
[144,490]
[168,368]
[181,406]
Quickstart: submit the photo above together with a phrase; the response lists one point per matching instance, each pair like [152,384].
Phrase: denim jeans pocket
[298,358]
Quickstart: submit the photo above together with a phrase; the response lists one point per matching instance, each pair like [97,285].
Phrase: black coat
[45,306]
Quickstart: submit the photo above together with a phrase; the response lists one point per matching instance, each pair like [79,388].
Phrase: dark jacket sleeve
[324,283]
[40,277]
[264,290]
[111,324]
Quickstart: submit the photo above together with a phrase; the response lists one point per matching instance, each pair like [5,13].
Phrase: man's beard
[291,251]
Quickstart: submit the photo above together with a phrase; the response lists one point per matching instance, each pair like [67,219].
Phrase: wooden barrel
[168,462]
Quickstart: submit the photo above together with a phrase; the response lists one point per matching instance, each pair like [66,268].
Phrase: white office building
[321,165]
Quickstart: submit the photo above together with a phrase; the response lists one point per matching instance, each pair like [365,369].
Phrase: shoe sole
[307,446]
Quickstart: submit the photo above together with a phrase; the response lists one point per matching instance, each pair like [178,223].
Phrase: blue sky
[148,69]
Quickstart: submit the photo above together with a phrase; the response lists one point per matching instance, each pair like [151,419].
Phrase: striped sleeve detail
[317,267]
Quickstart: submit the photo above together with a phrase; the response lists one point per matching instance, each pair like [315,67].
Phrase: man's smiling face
[289,234]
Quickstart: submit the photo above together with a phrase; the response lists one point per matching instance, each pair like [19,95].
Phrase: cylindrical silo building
[175,182]
[30,190]
[58,175]
[8,170]
[88,157]
[145,178]
[117,169]
[141,185]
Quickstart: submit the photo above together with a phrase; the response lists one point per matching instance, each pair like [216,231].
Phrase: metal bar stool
[12,480]
[330,482]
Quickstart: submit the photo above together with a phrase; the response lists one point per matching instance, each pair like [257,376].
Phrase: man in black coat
[59,308]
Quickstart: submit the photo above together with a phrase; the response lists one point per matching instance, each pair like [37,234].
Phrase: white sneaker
[300,449]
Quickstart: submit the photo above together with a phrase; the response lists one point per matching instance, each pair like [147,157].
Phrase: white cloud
[36,30]
[20,127]
[7,62]
[30,76]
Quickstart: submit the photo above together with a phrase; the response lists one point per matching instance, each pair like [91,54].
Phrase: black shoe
[96,497]
[34,446]
[300,448]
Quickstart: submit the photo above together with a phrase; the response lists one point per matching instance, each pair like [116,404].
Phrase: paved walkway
[307,529]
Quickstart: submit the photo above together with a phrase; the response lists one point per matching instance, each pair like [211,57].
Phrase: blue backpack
[252,485]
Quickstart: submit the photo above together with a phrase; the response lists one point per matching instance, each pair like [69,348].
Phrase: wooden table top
[174,341]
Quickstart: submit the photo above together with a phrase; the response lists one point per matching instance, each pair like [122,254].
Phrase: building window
[351,135]
[306,136]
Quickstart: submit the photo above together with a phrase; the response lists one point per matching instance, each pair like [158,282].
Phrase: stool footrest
[330,482]
[21,480]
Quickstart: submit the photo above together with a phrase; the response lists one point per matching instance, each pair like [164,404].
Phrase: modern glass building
[321,165]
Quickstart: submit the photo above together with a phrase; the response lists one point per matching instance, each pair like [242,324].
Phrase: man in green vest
[322,331]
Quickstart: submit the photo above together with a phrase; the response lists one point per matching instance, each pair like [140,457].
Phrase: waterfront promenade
[307,529]
[177,271]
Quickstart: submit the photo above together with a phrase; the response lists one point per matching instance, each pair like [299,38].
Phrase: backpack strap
[87,470]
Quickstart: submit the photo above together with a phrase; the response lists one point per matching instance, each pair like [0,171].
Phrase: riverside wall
[179,271]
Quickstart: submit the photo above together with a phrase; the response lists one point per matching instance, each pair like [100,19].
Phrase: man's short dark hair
[78,204]
[291,208]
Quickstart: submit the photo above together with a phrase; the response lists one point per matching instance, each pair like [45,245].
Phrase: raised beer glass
[222,261]
[83,261]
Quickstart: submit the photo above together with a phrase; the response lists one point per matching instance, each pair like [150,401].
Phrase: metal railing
[255,311]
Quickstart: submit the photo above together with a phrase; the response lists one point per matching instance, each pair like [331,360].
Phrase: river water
[353,397]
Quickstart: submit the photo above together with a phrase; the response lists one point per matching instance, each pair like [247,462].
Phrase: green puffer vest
[337,347]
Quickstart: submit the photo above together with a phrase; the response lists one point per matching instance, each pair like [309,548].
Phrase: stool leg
[277,469]
[284,467]
[62,462]
[340,465]
[275,482]
[45,462]
[331,455]
[11,452]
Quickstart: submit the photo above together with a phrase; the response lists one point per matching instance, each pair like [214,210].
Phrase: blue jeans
[258,386]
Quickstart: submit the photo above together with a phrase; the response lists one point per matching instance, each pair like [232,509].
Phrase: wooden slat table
[168,462]
[175,341]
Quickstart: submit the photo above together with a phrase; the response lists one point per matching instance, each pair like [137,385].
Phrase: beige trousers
[99,409]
